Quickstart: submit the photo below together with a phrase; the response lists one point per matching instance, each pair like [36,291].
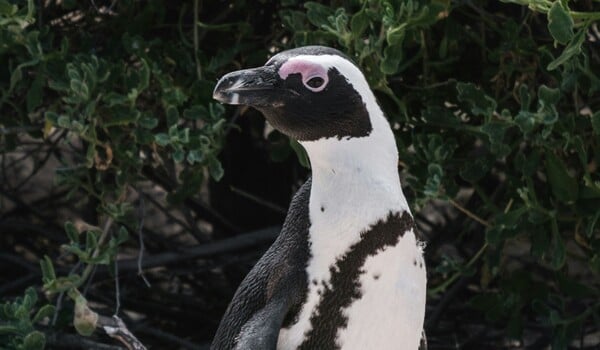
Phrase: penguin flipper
[274,287]
[262,330]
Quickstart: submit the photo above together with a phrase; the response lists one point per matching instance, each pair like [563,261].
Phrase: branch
[204,250]
[116,328]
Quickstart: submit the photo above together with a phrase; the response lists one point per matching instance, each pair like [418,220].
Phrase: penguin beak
[253,87]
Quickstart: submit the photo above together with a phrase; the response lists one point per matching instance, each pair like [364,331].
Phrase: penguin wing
[274,287]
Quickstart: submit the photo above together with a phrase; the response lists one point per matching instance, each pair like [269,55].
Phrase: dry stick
[257,199]
[197,41]
[59,300]
[117,288]
[141,240]
[203,250]
[469,213]
[116,328]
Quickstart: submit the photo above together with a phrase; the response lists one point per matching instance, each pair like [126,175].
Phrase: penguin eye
[315,83]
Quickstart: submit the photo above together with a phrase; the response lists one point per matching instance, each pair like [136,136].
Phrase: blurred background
[124,188]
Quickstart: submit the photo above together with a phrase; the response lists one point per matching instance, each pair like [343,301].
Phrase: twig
[196,40]
[261,201]
[223,246]
[19,129]
[142,214]
[61,295]
[88,269]
[117,288]
[469,213]
[451,280]
[116,328]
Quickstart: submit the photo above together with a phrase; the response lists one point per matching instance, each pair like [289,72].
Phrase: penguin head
[308,93]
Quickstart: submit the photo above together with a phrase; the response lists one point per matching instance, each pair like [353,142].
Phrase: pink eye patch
[308,70]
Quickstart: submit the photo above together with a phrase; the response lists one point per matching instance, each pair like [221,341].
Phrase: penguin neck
[359,172]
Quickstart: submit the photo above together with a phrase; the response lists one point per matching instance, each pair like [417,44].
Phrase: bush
[497,117]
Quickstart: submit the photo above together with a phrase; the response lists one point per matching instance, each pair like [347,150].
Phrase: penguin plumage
[347,270]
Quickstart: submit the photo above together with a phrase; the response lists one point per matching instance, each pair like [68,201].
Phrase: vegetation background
[124,188]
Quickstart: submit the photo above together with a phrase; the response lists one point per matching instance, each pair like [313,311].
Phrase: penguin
[347,270]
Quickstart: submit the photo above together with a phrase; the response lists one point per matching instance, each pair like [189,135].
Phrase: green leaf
[162,139]
[215,168]
[84,319]
[476,169]
[45,311]
[35,340]
[34,95]
[216,110]
[178,155]
[122,235]
[172,115]
[525,121]
[144,76]
[495,132]
[547,99]
[524,97]
[591,226]
[91,240]
[48,273]
[392,56]
[72,232]
[15,77]
[64,121]
[115,99]
[395,35]
[148,122]
[195,112]
[595,119]
[527,163]
[548,96]
[564,186]
[480,103]
[51,117]
[80,89]
[560,23]
[574,48]
[195,156]
[7,9]
[559,251]
[317,14]
[359,22]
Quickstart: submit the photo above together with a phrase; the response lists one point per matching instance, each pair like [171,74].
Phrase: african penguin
[347,270]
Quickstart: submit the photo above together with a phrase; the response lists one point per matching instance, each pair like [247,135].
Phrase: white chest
[391,283]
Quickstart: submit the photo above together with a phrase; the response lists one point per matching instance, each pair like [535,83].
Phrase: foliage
[18,331]
[495,106]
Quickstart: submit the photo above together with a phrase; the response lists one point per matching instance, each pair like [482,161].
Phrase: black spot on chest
[344,286]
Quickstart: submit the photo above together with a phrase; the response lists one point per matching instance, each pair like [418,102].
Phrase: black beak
[252,87]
